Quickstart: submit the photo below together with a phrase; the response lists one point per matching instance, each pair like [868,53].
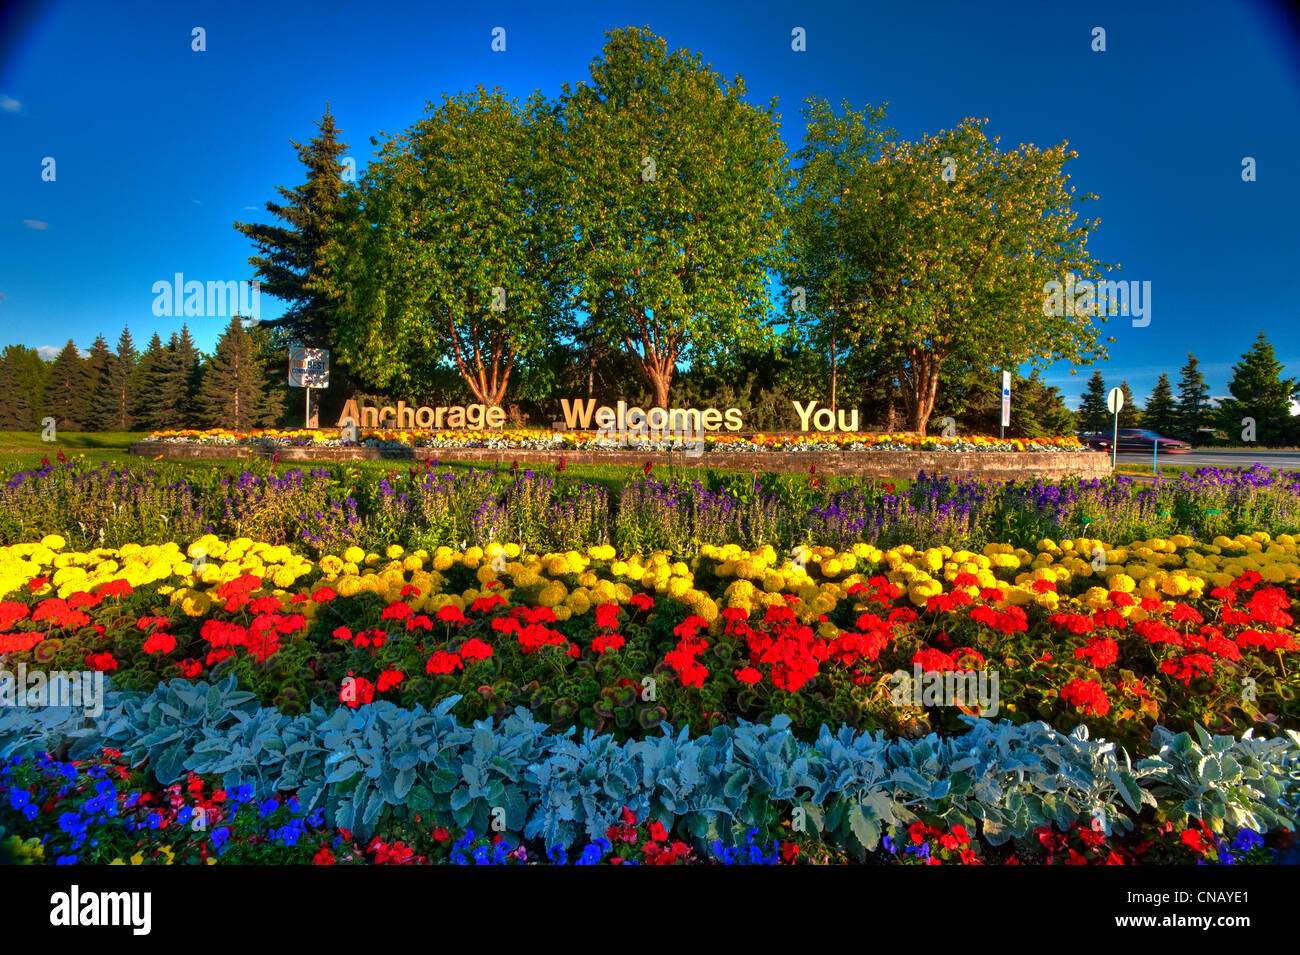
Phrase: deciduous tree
[673,191]
[953,245]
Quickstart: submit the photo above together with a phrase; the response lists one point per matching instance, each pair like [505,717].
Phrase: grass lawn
[1168,470]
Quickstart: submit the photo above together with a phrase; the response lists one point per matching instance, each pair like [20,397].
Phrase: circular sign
[1115,400]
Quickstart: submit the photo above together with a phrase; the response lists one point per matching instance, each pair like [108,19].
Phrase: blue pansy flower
[1246,840]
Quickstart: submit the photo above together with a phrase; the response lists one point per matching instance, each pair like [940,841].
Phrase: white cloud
[251,208]
[51,352]
[9,104]
[196,202]
[36,224]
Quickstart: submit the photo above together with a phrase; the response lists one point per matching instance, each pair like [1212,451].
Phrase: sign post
[1114,402]
[309,368]
[1006,402]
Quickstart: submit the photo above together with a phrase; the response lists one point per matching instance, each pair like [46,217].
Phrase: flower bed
[546,440]
[328,509]
[341,698]
[1174,632]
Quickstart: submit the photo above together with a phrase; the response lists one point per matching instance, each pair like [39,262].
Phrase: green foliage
[289,256]
[973,398]
[671,245]
[452,211]
[1260,392]
[115,398]
[1093,413]
[823,261]
[1160,413]
[96,370]
[22,388]
[233,392]
[948,247]
[381,762]
[1130,416]
[1193,401]
[65,389]
[170,378]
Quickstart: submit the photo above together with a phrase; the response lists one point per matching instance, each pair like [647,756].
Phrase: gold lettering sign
[403,417]
[584,415]
[579,414]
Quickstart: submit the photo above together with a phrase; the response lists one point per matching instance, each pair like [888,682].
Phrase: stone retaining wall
[893,465]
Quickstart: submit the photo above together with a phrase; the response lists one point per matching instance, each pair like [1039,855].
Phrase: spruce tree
[22,385]
[232,392]
[289,256]
[146,385]
[1259,392]
[65,389]
[275,372]
[115,406]
[15,410]
[1160,413]
[1092,412]
[96,370]
[1193,400]
[175,384]
[169,386]
[1130,416]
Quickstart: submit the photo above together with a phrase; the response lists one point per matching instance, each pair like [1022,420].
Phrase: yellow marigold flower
[394,551]
[552,594]
[354,555]
[1274,573]
[195,603]
[53,542]
[1122,582]
[1019,596]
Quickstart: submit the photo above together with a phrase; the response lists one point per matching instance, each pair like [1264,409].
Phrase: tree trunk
[660,379]
[920,388]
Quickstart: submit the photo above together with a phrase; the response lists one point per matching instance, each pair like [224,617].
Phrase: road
[1215,458]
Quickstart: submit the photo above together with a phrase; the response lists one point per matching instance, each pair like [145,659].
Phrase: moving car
[1135,439]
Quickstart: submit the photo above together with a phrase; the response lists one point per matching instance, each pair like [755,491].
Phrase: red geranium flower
[451,614]
[476,650]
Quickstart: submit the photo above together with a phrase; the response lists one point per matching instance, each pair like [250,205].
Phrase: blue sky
[159,149]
